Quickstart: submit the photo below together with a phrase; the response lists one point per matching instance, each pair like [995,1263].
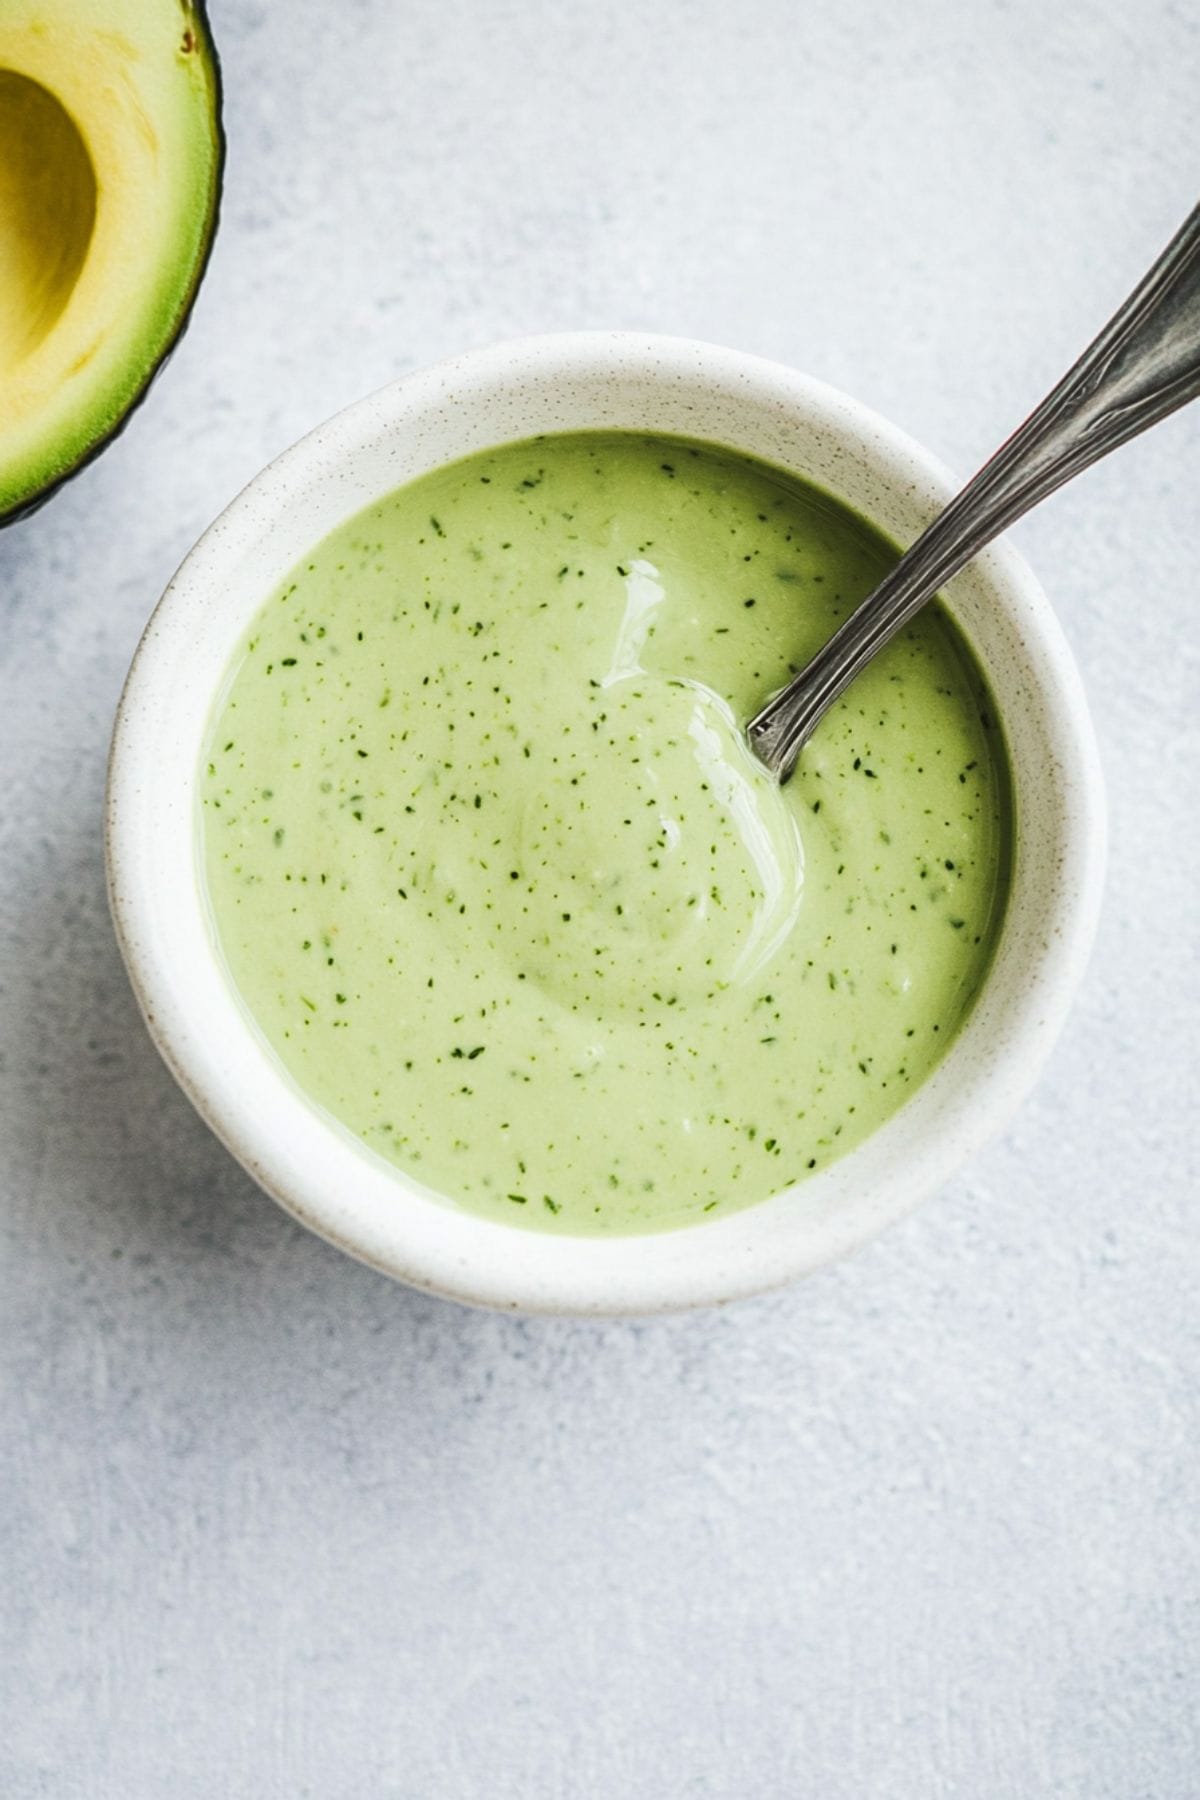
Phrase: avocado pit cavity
[47,213]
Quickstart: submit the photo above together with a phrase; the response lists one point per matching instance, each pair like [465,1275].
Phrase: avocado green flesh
[111,153]
[495,875]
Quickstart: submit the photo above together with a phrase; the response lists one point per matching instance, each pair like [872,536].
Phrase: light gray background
[925,1526]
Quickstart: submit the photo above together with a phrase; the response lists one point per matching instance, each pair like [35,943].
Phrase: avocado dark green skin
[197,12]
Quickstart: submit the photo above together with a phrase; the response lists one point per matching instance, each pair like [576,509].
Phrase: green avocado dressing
[496,876]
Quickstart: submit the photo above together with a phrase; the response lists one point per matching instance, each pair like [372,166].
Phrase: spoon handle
[1144,364]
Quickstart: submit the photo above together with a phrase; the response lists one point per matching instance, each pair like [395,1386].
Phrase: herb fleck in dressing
[495,873]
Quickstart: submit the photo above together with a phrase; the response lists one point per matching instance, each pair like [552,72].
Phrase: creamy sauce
[496,875]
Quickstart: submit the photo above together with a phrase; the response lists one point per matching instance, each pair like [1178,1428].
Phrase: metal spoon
[1144,364]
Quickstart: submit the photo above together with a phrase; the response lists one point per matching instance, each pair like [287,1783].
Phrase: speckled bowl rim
[318,1171]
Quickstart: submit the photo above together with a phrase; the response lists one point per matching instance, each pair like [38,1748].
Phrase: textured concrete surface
[926,1526]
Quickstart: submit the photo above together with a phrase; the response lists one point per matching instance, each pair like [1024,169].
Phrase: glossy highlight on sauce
[503,888]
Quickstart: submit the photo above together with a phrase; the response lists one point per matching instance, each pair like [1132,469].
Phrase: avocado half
[111,154]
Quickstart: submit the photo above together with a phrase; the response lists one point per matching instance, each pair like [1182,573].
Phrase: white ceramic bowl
[320,1172]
